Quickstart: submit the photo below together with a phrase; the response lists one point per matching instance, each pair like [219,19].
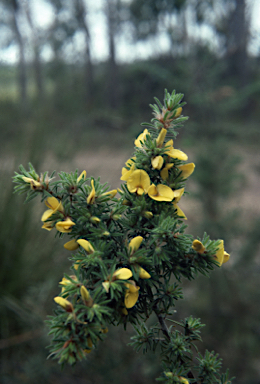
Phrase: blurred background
[76,80]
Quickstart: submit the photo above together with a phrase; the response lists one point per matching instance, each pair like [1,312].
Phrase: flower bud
[65,304]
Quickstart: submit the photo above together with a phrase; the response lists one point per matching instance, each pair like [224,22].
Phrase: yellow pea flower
[177,196]
[160,192]
[127,172]
[54,205]
[48,225]
[221,256]
[65,226]
[84,293]
[198,246]
[91,196]
[83,175]
[71,245]
[143,274]
[119,274]
[131,295]
[86,245]
[175,153]
[186,170]
[178,112]
[139,182]
[161,137]
[34,183]
[65,304]
[141,137]
[135,244]
[65,282]
[157,162]
[111,193]
[164,172]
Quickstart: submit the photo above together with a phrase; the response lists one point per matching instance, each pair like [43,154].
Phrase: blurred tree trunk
[112,23]
[81,15]
[22,77]
[37,66]
[237,41]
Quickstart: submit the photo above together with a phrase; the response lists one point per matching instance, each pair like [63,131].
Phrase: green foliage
[130,253]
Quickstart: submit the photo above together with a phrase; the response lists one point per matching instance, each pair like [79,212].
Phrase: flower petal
[157,162]
[160,192]
[135,243]
[178,194]
[177,154]
[143,274]
[64,226]
[161,137]
[198,246]
[123,274]
[86,245]
[220,253]
[91,196]
[186,170]
[139,179]
[83,175]
[141,138]
[179,212]
[71,245]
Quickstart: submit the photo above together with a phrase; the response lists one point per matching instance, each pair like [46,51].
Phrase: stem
[166,333]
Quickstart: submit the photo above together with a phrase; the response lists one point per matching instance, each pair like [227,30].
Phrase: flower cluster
[128,253]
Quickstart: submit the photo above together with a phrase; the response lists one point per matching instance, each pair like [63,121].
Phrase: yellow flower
[131,295]
[178,112]
[119,274]
[65,226]
[54,205]
[183,380]
[143,274]
[135,244]
[174,153]
[111,193]
[161,137]
[139,182]
[177,196]
[221,256]
[48,225]
[161,192]
[186,170]
[157,162]
[84,293]
[127,172]
[65,304]
[91,196]
[65,282]
[71,245]
[198,246]
[86,245]
[83,175]
[141,137]
[34,183]
[164,172]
